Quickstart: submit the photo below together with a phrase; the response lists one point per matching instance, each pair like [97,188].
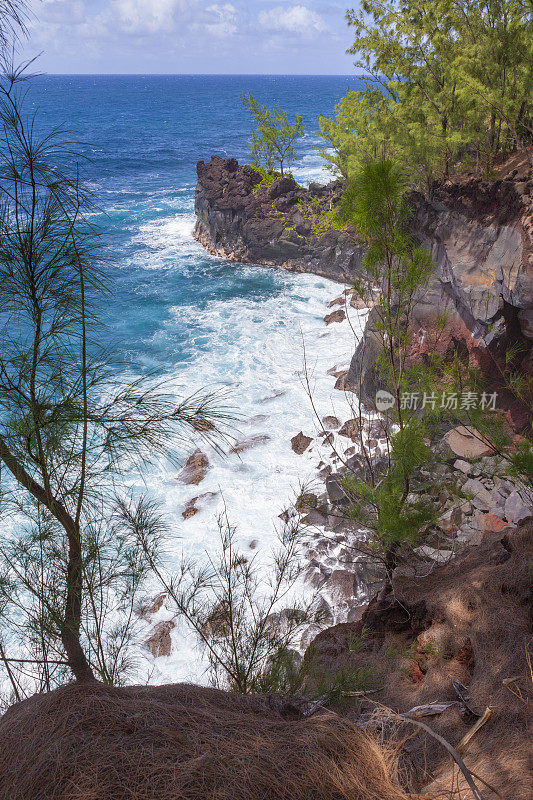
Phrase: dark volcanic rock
[300,443]
[335,316]
[242,224]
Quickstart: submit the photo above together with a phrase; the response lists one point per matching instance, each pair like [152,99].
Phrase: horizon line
[200,74]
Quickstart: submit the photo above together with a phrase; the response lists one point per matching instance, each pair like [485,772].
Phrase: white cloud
[145,16]
[299,20]
[223,20]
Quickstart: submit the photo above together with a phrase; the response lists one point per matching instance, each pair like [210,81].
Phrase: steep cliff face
[480,236]
[479,232]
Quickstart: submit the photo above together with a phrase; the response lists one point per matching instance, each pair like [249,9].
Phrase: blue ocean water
[198,321]
[144,135]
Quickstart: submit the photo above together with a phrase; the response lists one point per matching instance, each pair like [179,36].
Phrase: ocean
[197,321]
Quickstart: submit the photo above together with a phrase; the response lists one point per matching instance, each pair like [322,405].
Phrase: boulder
[195,468]
[340,585]
[151,605]
[300,443]
[249,442]
[330,423]
[516,509]
[350,429]
[191,507]
[490,523]
[340,383]
[335,488]
[335,316]
[159,642]
[467,443]
[481,498]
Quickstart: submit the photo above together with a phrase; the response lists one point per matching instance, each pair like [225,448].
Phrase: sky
[190,36]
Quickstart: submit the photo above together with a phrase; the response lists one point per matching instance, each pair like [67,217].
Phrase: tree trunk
[70,626]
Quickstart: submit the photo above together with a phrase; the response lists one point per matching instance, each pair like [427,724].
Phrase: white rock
[515,509]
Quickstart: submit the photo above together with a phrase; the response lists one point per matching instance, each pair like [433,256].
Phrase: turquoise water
[199,321]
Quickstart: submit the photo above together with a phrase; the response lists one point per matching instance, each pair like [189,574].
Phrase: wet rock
[335,488]
[350,429]
[314,518]
[300,443]
[159,642]
[340,584]
[323,611]
[335,316]
[195,469]
[330,423]
[249,442]
[339,301]
[190,510]
[313,577]
[308,635]
[191,507]
[253,544]
[151,605]
[340,383]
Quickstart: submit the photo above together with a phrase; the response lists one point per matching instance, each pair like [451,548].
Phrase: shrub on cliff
[445,82]
[382,498]
[272,144]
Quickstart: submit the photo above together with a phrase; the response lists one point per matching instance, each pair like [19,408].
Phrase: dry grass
[182,742]
[469,621]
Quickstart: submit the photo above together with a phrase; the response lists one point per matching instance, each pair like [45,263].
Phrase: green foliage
[387,508]
[272,144]
[374,204]
[333,686]
[267,178]
[449,82]
[521,461]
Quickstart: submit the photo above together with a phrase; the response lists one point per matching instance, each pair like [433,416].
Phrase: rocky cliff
[240,220]
[480,234]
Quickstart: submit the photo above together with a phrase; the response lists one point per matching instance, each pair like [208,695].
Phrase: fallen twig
[463,744]
[430,709]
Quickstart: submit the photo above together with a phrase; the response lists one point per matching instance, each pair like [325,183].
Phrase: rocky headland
[480,234]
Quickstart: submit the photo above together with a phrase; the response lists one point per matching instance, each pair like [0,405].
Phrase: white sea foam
[257,350]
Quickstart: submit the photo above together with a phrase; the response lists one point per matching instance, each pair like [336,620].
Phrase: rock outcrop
[269,226]
[479,232]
